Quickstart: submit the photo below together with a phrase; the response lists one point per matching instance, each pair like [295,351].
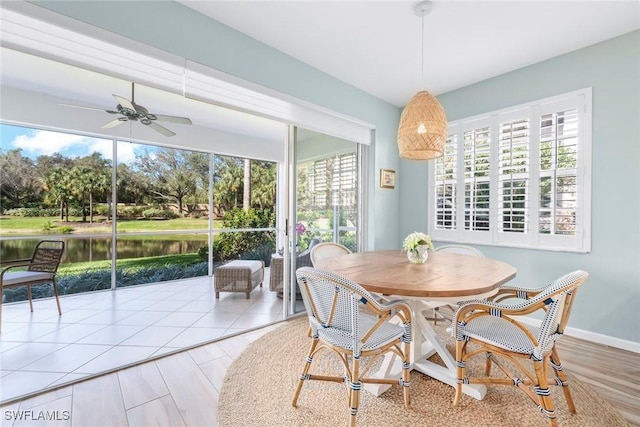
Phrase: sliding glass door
[324,199]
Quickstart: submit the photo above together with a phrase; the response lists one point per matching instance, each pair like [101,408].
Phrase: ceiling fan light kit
[129,110]
[422,132]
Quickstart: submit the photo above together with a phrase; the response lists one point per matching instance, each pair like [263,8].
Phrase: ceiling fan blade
[88,108]
[173,119]
[113,123]
[124,102]
[163,130]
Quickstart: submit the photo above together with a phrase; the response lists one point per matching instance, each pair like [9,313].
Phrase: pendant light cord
[422,50]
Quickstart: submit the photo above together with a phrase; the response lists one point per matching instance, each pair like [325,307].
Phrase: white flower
[415,239]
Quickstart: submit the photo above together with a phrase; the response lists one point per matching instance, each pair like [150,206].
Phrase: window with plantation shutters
[517,177]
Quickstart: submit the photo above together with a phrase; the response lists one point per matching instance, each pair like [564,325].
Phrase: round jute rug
[260,384]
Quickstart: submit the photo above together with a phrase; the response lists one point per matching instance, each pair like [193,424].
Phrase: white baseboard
[592,336]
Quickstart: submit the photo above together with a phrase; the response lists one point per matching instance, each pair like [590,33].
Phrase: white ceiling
[376,45]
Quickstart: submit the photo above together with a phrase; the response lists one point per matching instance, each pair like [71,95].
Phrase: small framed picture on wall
[387,178]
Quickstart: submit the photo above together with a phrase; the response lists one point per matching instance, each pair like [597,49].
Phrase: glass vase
[418,255]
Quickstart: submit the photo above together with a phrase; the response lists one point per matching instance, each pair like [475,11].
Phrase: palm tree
[81,177]
[246,196]
[59,189]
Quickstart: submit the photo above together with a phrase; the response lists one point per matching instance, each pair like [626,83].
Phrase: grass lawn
[130,264]
[10,225]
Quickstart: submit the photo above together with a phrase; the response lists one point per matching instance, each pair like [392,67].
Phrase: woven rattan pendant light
[423,124]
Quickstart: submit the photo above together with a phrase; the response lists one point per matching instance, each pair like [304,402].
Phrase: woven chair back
[327,250]
[558,298]
[333,301]
[46,256]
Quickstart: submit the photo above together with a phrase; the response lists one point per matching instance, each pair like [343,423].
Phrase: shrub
[41,212]
[203,253]
[130,211]
[159,213]
[32,212]
[244,244]
[101,210]
[47,226]
[349,240]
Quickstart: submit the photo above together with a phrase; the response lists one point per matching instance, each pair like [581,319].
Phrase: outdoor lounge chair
[39,269]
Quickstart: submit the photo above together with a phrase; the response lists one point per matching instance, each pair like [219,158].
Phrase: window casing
[517,177]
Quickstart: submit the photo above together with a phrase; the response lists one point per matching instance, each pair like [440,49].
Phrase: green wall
[609,302]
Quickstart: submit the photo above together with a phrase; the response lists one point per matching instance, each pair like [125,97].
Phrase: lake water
[99,248]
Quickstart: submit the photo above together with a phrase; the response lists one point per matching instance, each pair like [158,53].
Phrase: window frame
[580,241]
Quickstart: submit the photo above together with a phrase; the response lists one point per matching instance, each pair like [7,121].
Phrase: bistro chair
[460,250]
[39,269]
[327,250]
[336,323]
[494,327]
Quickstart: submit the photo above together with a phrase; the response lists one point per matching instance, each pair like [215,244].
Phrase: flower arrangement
[415,239]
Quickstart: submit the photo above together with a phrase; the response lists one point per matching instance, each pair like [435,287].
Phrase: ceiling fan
[129,110]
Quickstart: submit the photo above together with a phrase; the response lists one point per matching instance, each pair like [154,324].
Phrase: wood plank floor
[612,373]
[183,389]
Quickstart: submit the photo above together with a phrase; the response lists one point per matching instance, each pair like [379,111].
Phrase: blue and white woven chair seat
[383,335]
[504,334]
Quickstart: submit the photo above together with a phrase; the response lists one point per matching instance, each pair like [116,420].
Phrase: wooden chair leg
[354,391]
[460,371]
[305,370]
[55,292]
[406,377]
[543,392]
[30,297]
[488,364]
[561,379]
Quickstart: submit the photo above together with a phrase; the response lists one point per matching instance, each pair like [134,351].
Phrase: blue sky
[36,142]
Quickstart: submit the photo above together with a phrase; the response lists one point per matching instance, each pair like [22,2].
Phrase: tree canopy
[163,177]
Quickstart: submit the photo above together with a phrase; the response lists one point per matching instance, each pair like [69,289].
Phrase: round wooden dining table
[444,278]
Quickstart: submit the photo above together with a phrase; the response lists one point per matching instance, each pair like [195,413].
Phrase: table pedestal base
[425,344]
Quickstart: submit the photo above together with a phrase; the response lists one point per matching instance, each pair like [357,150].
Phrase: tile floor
[105,330]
